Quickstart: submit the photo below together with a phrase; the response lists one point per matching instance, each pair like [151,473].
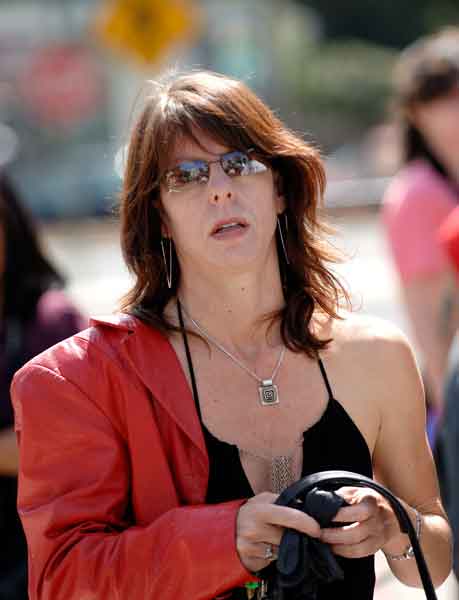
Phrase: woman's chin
[236,261]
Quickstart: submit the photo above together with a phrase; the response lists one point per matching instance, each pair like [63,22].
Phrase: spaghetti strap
[325,378]
[189,361]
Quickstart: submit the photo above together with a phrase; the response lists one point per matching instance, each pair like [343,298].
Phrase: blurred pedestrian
[447,447]
[422,195]
[176,423]
[34,314]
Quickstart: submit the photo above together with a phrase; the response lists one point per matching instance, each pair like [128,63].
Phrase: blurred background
[71,71]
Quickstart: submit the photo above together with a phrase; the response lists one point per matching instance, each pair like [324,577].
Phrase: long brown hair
[230,113]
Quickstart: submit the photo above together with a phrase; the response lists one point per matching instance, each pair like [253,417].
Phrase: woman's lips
[229,230]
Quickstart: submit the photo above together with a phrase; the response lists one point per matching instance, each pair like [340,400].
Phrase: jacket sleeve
[74,498]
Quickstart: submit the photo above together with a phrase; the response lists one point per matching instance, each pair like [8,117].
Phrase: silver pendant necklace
[281,466]
[267,390]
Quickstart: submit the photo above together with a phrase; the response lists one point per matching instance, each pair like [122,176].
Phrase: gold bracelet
[409,552]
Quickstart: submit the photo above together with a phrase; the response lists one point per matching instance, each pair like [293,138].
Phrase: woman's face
[438,122]
[224,222]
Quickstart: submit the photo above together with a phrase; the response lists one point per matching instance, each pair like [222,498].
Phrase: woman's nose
[220,186]
[219,197]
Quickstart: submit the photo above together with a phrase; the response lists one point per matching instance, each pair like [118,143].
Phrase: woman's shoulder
[366,339]
[87,366]
[374,356]
[109,341]
[415,205]
[94,361]
[416,181]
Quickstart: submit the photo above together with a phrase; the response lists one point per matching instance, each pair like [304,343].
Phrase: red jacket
[113,473]
[449,237]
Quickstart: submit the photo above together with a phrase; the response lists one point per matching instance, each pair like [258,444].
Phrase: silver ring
[269,554]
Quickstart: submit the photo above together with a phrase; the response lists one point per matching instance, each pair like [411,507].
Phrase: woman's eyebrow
[186,158]
[178,161]
[190,157]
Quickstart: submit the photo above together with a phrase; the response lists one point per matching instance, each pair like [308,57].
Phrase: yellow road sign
[146,29]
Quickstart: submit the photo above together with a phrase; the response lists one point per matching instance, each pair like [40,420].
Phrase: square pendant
[268,393]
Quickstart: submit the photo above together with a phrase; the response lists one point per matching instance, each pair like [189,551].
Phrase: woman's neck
[231,309]
[448,161]
[453,171]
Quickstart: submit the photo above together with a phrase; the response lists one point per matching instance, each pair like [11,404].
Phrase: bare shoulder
[373,374]
[371,338]
[372,351]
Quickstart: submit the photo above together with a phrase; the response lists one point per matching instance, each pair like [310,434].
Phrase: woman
[35,314]
[169,429]
[423,193]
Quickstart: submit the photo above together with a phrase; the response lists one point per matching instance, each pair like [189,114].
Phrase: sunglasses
[191,172]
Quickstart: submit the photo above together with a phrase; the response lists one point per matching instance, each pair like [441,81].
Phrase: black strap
[340,478]
[191,368]
[325,378]
[189,361]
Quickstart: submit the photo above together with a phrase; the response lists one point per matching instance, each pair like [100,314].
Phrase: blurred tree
[389,23]
[338,89]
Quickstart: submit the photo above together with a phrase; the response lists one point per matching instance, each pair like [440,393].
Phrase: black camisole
[333,442]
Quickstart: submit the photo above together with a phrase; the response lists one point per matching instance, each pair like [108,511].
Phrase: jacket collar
[155,362]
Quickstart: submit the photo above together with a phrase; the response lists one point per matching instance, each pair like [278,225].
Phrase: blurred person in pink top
[422,195]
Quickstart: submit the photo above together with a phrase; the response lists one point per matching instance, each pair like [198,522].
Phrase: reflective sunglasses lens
[195,171]
[240,163]
[256,166]
[235,163]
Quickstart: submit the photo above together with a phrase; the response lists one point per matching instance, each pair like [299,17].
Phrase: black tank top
[333,442]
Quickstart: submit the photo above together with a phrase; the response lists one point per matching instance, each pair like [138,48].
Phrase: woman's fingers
[354,533]
[260,525]
[261,551]
[258,556]
[259,513]
[355,540]
[369,523]
[366,547]
[291,518]
[362,509]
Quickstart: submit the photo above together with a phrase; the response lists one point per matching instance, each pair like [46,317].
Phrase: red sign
[62,86]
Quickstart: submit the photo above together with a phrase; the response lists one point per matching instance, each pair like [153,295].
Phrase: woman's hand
[370,524]
[259,528]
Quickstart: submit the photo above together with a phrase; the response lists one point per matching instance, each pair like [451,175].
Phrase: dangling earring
[282,237]
[167,270]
